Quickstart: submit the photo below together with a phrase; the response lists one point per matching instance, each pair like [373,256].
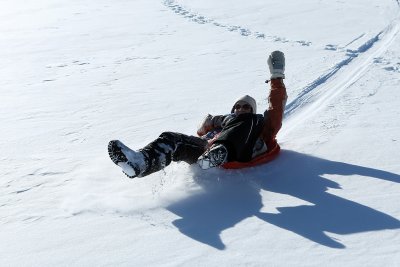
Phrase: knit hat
[249,100]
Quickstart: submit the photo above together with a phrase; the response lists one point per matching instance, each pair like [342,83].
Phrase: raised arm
[273,116]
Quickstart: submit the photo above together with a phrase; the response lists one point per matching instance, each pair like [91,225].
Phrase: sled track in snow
[317,94]
[306,94]
[320,92]
[243,31]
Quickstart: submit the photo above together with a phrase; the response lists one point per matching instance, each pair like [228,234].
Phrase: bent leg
[170,146]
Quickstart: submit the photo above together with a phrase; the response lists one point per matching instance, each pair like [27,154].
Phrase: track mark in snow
[393,68]
[306,94]
[27,189]
[333,47]
[200,19]
[32,218]
[317,94]
[356,39]
[37,172]
[388,65]
[63,65]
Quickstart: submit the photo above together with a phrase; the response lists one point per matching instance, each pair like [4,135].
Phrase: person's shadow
[225,202]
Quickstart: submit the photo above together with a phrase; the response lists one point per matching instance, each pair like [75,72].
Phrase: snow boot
[216,156]
[133,163]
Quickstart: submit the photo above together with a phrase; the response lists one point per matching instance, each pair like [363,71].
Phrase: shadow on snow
[233,198]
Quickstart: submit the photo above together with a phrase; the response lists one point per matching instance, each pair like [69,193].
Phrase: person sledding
[239,137]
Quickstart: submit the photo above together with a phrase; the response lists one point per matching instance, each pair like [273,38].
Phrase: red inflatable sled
[261,159]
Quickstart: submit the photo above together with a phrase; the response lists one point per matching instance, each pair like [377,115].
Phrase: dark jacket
[242,133]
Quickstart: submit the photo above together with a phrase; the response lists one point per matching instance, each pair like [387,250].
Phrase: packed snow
[76,74]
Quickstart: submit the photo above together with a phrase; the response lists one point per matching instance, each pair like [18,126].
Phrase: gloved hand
[276,63]
[205,126]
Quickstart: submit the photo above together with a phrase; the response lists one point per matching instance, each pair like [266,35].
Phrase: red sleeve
[273,116]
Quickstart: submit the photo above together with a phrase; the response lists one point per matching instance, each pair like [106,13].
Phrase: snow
[76,74]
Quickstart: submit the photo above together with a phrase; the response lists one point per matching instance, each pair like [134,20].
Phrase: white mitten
[276,63]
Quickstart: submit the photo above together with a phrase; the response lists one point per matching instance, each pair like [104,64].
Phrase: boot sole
[117,156]
[115,152]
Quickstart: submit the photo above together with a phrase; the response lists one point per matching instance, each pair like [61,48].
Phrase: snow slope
[76,74]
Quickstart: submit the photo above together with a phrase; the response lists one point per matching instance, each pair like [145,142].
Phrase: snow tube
[261,159]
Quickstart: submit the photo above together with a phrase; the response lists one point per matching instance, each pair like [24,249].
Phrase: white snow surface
[76,74]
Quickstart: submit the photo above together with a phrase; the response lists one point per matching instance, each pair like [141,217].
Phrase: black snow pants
[170,146]
[239,135]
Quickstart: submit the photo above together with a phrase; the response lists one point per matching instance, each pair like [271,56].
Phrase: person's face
[242,107]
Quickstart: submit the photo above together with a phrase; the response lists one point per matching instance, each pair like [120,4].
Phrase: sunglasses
[245,106]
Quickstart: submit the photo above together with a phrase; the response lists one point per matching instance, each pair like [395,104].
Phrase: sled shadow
[226,202]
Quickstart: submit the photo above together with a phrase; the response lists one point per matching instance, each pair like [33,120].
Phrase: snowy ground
[76,74]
